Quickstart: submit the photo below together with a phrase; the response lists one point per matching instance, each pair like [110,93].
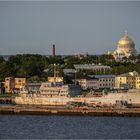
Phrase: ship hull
[41,101]
[109,99]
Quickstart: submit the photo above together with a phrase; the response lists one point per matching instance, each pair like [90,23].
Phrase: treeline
[28,65]
[33,66]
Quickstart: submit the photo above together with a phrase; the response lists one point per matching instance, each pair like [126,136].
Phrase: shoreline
[34,110]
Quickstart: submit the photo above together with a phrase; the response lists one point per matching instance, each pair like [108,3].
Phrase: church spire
[126,33]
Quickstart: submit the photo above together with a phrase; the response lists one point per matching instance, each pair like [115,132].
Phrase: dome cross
[126,33]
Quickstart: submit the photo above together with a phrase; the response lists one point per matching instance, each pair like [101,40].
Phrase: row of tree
[33,66]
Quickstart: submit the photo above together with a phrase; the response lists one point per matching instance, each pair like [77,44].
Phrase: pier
[36,110]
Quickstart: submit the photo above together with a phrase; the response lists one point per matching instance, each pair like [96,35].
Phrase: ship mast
[54,74]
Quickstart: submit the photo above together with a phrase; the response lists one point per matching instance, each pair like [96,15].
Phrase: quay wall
[131,112]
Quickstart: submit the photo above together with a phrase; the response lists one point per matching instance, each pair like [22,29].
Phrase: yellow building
[55,79]
[138,82]
[19,83]
[126,80]
[9,84]
[12,84]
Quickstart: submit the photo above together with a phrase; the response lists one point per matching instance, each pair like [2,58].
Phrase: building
[14,84]
[19,83]
[97,82]
[55,79]
[2,88]
[126,80]
[88,83]
[9,84]
[125,48]
[69,71]
[106,81]
[94,67]
[137,82]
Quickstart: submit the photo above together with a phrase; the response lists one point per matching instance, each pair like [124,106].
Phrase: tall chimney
[53,50]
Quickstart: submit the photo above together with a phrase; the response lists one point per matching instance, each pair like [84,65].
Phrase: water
[65,127]
[6,105]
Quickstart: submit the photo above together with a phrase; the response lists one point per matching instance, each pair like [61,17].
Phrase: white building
[106,81]
[97,82]
[69,71]
[94,67]
[88,83]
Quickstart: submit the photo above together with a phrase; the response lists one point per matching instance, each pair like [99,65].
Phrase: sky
[73,26]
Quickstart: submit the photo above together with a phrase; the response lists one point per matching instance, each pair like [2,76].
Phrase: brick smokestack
[53,50]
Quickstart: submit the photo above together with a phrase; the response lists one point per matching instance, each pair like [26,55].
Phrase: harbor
[61,110]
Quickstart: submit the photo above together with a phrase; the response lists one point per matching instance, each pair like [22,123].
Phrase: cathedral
[125,48]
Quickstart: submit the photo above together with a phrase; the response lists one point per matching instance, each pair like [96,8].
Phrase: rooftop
[104,76]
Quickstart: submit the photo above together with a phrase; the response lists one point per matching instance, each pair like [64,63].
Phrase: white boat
[49,94]
[131,97]
[59,95]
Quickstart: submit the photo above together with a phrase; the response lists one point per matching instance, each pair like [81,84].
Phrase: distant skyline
[74,27]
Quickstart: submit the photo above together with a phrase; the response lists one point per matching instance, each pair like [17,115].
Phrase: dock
[38,110]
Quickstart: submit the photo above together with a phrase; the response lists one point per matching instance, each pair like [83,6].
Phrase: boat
[63,95]
[110,99]
[49,94]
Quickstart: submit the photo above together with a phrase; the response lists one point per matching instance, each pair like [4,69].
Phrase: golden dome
[125,48]
[125,40]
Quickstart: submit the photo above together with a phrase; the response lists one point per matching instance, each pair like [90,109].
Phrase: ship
[130,97]
[64,95]
[49,94]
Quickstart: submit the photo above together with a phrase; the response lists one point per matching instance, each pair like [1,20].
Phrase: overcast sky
[74,27]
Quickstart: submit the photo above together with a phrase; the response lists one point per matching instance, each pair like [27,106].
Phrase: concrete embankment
[131,112]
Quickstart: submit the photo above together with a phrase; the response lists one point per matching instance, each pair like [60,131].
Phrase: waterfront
[74,127]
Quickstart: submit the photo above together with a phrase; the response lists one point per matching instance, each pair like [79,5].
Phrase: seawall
[36,110]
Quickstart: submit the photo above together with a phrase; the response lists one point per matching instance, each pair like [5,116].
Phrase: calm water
[82,127]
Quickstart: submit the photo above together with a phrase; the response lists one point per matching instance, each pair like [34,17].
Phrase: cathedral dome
[126,42]
[125,48]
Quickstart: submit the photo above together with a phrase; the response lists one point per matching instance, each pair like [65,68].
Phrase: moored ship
[62,95]
[130,97]
[49,94]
